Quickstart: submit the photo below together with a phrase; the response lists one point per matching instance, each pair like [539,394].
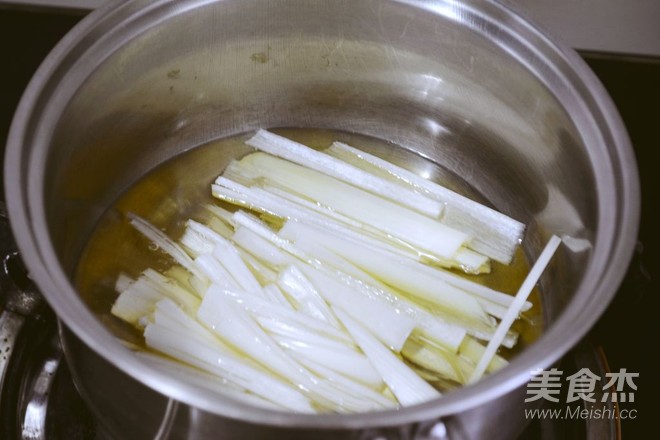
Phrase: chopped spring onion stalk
[205,381]
[433,359]
[346,383]
[185,298]
[428,234]
[199,354]
[389,269]
[168,314]
[262,308]
[383,321]
[261,247]
[493,309]
[293,230]
[468,260]
[437,330]
[407,386]
[275,295]
[335,261]
[138,300]
[205,232]
[195,243]
[494,234]
[349,363]
[235,326]
[509,341]
[472,350]
[216,272]
[123,282]
[516,307]
[316,160]
[262,230]
[163,242]
[201,239]
[447,335]
[308,300]
[141,296]
[275,206]
[306,204]
[263,274]
[293,331]
[220,214]
[228,255]
[220,227]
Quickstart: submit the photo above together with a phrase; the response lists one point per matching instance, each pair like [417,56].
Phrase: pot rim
[30,127]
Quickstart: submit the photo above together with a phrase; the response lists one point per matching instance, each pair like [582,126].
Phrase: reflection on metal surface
[439,431]
[10,324]
[34,423]
[168,419]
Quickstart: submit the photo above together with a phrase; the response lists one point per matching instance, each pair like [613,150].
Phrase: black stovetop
[627,329]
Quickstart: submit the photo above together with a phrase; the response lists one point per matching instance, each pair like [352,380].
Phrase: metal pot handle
[19,298]
[19,294]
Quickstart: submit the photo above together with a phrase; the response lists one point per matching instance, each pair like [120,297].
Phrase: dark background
[629,330]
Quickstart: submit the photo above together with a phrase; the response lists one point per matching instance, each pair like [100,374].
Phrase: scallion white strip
[389,269]
[263,274]
[233,325]
[428,234]
[316,160]
[261,248]
[276,296]
[260,307]
[227,254]
[308,299]
[123,282]
[303,203]
[465,259]
[516,307]
[494,234]
[431,358]
[300,231]
[382,320]
[195,352]
[136,301]
[448,335]
[216,272]
[472,350]
[509,341]
[185,298]
[349,363]
[168,314]
[206,381]
[163,242]
[354,387]
[329,258]
[407,386]
[295,331]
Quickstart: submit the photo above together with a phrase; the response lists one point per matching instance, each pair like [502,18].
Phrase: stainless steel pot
[470,85]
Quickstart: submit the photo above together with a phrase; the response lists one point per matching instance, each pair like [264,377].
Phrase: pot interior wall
[425,82]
